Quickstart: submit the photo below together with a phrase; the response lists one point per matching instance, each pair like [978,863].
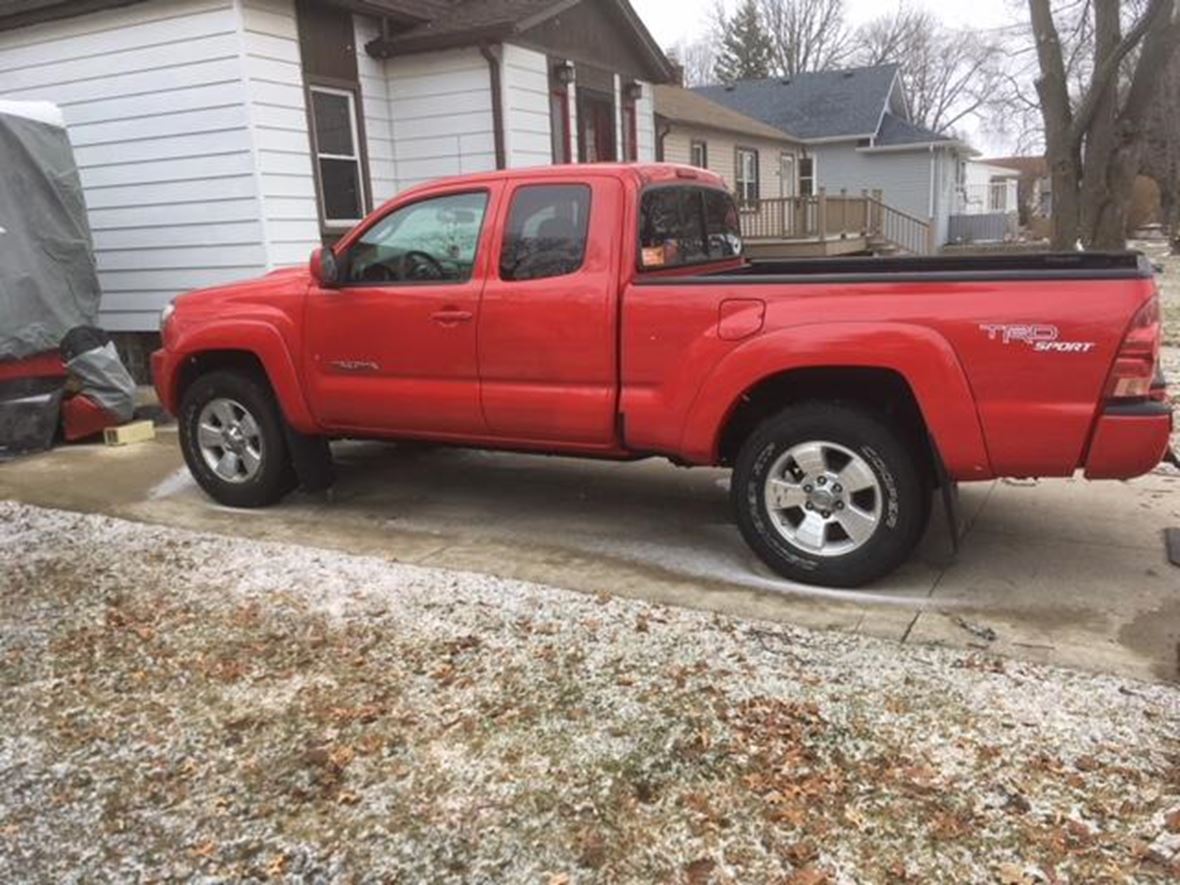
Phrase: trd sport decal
[1038,336]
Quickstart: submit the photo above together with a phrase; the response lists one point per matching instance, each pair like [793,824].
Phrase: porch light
[563,72]
[633,91]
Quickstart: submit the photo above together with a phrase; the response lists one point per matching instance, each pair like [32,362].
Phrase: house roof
[686,106]
[896,131]
[815,105]
[1024,165]
[451,23]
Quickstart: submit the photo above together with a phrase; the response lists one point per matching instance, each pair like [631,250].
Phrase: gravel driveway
[175,705]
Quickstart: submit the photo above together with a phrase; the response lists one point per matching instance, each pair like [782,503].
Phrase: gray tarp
[48,282]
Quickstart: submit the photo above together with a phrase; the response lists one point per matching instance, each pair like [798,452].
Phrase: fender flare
[922,357]
[263,341]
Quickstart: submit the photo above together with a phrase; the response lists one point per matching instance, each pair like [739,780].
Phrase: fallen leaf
[1172,821]
[205,849]
[277,866]
[699,870]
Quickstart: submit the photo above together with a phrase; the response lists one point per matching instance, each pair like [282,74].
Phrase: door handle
[450,316]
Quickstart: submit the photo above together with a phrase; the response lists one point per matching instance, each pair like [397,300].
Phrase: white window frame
[693,144]
[741,182]
[355,157]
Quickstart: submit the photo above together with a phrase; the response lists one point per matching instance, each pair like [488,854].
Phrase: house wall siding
[441,115]
[376,95]
[277,107]
[525,82]
[155,104]
[721,147]
[902,176]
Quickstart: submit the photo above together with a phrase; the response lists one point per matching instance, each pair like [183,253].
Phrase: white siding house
[194,121]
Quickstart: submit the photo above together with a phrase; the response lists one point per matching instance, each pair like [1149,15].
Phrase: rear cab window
[546,231]
[681,225]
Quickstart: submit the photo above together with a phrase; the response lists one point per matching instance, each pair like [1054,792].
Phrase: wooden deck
[823,224]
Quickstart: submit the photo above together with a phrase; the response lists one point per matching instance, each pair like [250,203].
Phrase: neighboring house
[856,135]
[1034,190]
[218,139]
[757,161]
[988,188]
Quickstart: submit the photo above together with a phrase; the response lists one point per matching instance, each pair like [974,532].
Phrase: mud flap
[949,490]
[312,459]
[1172,542]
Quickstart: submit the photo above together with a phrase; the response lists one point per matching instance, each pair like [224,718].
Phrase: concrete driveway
[1060,571]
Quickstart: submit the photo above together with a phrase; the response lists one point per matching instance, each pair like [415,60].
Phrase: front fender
[920,355]
[256,337]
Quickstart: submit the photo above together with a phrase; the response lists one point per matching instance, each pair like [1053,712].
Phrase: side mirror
[324,269]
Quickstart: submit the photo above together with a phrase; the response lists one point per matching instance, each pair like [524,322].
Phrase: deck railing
[822,216]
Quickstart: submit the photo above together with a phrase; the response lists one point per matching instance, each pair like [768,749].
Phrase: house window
[334,129]
[806,176]
[747,176]
[698,154]
[559,124]
[998,195]
[546,233]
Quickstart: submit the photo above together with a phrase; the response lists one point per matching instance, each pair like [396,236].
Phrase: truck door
[547,325]
[392,348]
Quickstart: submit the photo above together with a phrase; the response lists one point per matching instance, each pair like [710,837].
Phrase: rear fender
[921,356]
[263,341]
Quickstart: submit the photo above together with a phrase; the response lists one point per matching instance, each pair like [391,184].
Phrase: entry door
[392,349]
[596,125]
[547,329]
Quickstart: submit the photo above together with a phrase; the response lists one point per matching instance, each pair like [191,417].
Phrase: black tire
[902,483]
[275,475]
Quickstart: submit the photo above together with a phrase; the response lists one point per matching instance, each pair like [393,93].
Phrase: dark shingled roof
[821,104]
[896,131]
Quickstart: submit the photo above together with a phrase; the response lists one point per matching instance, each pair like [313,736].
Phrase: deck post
[821,213]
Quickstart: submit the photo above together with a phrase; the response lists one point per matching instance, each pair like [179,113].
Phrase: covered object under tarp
[48,287]
[48,282]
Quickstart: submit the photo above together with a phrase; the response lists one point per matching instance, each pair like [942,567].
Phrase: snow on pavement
[179,705]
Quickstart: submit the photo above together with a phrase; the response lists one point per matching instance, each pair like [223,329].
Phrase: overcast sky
[671,21]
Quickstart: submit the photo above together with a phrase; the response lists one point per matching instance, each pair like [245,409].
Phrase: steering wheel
[415,265]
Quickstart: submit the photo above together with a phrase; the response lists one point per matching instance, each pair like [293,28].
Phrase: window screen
[687,225]
[546,232]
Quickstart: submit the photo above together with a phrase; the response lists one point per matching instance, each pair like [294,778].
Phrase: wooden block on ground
[136,431]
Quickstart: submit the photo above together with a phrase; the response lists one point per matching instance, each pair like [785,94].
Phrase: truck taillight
[1135,367]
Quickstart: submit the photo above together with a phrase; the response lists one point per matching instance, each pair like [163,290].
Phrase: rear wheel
[830,494]
[232,438]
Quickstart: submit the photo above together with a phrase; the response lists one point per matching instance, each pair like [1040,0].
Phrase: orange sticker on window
[653,256]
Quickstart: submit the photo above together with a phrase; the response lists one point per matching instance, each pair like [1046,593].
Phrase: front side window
[546,232]
[699,154]
[338,160]
[434,240]
[687,225]
[747,176]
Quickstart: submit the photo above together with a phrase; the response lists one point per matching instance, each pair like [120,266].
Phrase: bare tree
[1161,153]
[948,74]
[808,35]
[697,59]
[1095,133]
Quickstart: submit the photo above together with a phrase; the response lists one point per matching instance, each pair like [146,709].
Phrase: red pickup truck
[606,311]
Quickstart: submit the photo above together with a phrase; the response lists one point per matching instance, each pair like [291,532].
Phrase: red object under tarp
[80,415]
[39,365]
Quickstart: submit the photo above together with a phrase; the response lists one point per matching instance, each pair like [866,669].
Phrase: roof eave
[918,145]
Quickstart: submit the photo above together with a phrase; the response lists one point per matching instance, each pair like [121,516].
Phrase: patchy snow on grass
[184,705]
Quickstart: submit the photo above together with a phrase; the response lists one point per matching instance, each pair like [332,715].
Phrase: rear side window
[687,225]
[546,232]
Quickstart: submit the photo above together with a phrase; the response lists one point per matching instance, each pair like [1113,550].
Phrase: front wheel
[829,494]
[232,438]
